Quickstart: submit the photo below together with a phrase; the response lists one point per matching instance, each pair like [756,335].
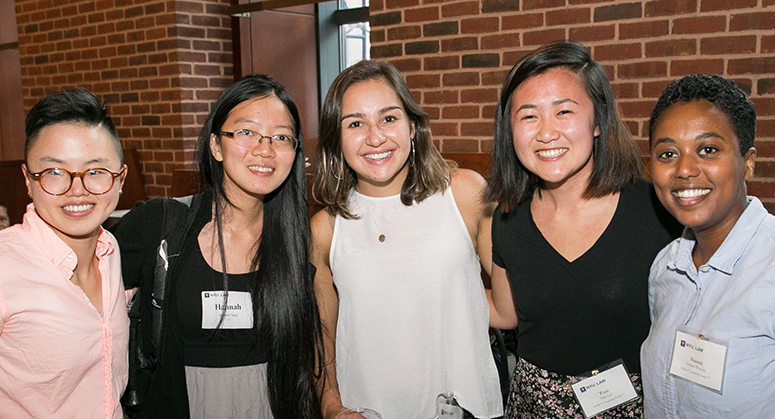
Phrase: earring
[336,170]
[411,157]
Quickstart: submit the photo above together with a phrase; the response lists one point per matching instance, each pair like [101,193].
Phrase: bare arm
[484,237]
[322,226]
[503,310]
[468,187]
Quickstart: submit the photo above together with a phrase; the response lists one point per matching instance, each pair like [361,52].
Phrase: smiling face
[77,214]
[553,127]
[376,137]
[698,172]
[252,172]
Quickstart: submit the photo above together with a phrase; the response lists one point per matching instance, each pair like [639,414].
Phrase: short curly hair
[722,93]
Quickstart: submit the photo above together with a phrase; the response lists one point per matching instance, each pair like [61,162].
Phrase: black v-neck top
[577,316]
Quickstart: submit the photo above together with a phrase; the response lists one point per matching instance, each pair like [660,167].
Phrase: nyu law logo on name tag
[699,359]
[236,310]
[606,389]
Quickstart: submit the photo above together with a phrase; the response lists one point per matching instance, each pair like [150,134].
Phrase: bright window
[343,38]
[354,36]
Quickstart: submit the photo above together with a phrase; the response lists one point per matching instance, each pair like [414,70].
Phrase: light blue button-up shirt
[730,298]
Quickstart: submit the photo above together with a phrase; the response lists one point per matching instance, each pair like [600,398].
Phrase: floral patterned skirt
[538,394]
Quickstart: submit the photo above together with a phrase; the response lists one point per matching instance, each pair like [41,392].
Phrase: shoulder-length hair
[334,179]
[284,306]
[615,156]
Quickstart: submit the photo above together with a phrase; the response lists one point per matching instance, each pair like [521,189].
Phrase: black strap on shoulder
[168,225]
[179,215]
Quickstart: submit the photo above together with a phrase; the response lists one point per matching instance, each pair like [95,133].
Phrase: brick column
[158,64]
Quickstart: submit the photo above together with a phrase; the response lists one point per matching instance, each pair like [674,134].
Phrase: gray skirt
[228,393]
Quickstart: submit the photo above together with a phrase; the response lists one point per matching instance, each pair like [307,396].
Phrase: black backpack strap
[179,216]
[141,229]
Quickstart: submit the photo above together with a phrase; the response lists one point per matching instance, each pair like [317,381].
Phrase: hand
[349,414]
[345,413]
[356,414]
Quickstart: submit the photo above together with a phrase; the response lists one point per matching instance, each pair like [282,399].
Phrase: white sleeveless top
[413,315]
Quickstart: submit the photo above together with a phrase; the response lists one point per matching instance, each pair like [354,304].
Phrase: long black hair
[284,306]
[616,157]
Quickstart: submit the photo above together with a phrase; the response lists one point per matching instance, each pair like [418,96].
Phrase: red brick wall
[455,55]
[157,63]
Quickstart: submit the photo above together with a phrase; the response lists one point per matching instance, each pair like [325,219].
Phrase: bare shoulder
[322,229]
[468,187]
[466,182]
[322,219]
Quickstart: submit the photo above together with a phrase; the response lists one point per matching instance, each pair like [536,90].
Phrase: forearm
[503,311]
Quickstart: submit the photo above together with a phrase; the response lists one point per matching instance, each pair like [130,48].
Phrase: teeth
[378,156]
[552,153]
[261,169]
[78,208]
[691,193]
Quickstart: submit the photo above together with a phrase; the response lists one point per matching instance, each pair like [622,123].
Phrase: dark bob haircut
[616,157]
[722,93]
[76,106]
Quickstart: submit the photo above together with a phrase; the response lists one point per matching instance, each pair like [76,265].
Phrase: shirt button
[667,375]
[70,258]
[704,269]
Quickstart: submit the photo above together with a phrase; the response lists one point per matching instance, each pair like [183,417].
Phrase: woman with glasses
[63,320]
[224,276]
[399,252]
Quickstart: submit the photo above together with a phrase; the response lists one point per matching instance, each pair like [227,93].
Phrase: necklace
[382,236]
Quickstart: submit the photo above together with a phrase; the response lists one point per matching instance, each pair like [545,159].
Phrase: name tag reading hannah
[699,360]
[238,313]
[604,390]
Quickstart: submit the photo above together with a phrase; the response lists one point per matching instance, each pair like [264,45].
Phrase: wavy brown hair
[334,179]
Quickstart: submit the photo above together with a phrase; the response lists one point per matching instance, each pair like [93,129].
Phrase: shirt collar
[53,247]
[733,247]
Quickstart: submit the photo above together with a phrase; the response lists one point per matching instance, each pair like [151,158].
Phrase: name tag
[445,409]
[606,390]
[450,412]
[699,360]
[238,313]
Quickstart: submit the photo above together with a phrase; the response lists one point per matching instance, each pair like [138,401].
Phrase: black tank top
[215,348]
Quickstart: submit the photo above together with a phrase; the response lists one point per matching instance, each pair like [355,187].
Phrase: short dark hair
[333,180]
[74,106]
[722,93]
[616,157]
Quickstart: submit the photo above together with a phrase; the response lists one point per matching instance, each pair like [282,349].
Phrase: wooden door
[282,44]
